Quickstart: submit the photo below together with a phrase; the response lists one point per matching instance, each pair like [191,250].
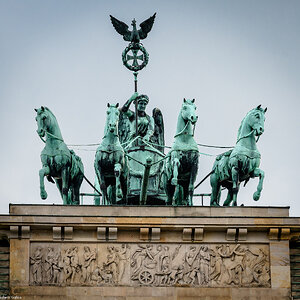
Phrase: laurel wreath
[135,47]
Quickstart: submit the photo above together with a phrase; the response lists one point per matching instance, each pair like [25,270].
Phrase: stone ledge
[142,211]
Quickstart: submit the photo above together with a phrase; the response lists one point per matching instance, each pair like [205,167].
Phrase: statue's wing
[146,26]
[158,135]
[124,128]
[121,28]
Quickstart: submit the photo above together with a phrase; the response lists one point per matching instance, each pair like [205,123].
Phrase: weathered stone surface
[93,266]
[19,259]
[149,265]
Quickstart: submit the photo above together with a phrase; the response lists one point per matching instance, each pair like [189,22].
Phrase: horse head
[42,119]
[112,119]
[256,120]
[252,123]
[188,111]
[46,122]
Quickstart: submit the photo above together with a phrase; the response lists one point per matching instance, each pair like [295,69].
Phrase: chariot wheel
[145,277]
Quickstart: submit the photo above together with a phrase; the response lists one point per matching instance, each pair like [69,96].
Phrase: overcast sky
[228,55]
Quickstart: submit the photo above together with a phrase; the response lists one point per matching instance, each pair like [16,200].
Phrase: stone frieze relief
[207,265]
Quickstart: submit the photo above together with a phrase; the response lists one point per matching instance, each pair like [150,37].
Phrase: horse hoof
[256,196]
[44,195]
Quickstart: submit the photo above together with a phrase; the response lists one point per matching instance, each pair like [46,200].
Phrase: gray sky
[228,55]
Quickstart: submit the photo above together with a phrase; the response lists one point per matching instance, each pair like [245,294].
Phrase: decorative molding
[56,233]
[68,233]
[187,234]
[14,232]
[155,235]
[231,234]
[243,234]
[101,233]
[285,233]
[144,233]
[112,233]
[273,233]
[199,232]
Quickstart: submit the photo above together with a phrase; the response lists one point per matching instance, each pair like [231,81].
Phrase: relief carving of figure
[204,260]
[67,265]
[36,265]
[48,265]
[111,264]
[87,267]
[74,258]
[122,259]
[157,265]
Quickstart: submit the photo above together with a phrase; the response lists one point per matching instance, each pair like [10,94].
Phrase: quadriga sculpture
[181,165]
[58,161]
[110,161]
[241,163]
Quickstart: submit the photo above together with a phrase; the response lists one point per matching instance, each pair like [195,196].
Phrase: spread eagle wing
[146,26]
[121,28]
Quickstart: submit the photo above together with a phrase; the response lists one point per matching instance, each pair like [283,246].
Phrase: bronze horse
[110,161]
[241,163]
[181,165]
[58,161]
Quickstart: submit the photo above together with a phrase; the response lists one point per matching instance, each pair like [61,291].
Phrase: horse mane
[243,121]
[51,113]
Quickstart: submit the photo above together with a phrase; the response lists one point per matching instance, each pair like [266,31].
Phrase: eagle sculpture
[135,35]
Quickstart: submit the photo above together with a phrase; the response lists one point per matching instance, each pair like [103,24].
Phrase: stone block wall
[88,252]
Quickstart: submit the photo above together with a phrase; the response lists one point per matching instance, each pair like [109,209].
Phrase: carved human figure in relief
[57,268]
[48,265]
[204,261]
[36,265]
[112,264]
[87,266]
[67,265]
[122,259]
[74,263]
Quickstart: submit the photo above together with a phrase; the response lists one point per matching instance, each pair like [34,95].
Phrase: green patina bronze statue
[138,52]
[110,162]
[241,163]
[181,165]
[58,161]
[142,137]
[145,123]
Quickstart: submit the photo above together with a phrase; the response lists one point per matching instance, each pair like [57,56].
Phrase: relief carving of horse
[58,161]
[110,161]
[181,165]
[242,162]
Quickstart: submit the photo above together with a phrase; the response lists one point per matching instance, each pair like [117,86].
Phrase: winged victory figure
[135,35]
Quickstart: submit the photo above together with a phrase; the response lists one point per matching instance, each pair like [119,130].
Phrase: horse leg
[119,193]
[229,197]
[65,184]
[59,186]
[261,174]
[176,164]
[235,184]
[42,173]
[215,190]
[191,183]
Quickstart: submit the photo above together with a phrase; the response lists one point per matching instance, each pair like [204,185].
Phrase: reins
[184,128]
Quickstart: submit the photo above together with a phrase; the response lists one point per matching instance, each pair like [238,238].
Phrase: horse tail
[220,167]
[76,166]
[76,178]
